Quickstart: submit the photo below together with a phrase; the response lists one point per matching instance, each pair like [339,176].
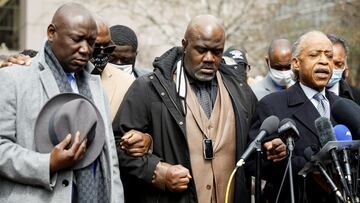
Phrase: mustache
[207,66]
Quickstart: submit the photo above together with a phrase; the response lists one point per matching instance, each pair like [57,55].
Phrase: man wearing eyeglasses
[278,61]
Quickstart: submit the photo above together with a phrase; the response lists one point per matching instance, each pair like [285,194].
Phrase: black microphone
[347,112]
[326,134]
[269,126]
[288,130]
[308,153]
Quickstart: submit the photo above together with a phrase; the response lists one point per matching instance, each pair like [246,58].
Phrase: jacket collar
[345,90]
[166,63]
[305,112]
[46,76]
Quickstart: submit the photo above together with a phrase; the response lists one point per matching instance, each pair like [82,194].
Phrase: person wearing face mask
[124,55]
[279,76]
[337,83]
[114,81]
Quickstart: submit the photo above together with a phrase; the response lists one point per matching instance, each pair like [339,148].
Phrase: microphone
[326,134]
[347,112]
[288,131]
[308,153]
[268,126]
[342,133]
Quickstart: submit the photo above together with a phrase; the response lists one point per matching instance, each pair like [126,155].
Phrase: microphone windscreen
[270,124]
[286,120]
[325,130]
[342,132]
[308,152]
[347,112]
[287,128]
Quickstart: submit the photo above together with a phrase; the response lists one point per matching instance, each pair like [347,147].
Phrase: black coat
[291,103]
[346,91]
[152,105]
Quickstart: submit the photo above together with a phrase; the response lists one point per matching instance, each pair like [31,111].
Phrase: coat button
[65,183]
[181,123]
[151,77]
[162,93]
[241,84]
[235,67]
[208,187]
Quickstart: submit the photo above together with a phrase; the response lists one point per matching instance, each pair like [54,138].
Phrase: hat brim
[42,139]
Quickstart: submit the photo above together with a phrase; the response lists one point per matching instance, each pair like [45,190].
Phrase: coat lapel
[305,111]
[110,88]
[48,81]
[269,84]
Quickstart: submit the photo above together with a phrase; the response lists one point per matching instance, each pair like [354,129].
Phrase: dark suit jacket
[291,103]
[346,91]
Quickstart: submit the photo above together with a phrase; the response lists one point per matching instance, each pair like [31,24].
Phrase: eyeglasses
[106,50]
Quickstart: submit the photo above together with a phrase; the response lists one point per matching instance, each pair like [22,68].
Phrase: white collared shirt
[309,92]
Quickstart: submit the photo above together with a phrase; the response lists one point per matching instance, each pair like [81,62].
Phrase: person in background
[278,61]
[124,55]
[115,83]
[337,83]
[238,59]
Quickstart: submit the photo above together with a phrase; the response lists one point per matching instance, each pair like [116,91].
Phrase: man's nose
[324,59]
[209,57]
[85,48]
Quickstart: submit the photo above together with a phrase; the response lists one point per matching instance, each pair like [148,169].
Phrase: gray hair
[298,47]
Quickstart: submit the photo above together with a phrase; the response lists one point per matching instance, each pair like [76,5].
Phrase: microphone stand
[290,145]
[258,171]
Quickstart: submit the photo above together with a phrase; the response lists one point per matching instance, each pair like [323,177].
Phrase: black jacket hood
[166,62]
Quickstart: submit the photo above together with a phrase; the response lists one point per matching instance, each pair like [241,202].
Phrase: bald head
[103,38]
[279,45]
[203,45]
[70,12]
[204,25]
[279,55]
[71,36]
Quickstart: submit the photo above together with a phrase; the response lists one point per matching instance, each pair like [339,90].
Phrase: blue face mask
[336,77]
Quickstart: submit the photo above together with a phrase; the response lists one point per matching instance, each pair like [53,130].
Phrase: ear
[184,43]
[51,32]
[295,64]
[267,61]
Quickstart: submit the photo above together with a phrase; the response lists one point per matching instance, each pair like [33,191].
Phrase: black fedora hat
[68,113]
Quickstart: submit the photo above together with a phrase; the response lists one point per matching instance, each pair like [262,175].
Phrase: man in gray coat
[25,174]
[279,76]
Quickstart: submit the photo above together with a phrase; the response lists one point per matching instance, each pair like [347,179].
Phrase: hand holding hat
[62,158]
[68,125]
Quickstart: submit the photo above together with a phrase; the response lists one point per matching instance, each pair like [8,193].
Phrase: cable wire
[283,179]
[241,162]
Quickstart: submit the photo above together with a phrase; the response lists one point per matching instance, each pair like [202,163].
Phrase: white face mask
[336,77]
[126,68]
[282,78]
